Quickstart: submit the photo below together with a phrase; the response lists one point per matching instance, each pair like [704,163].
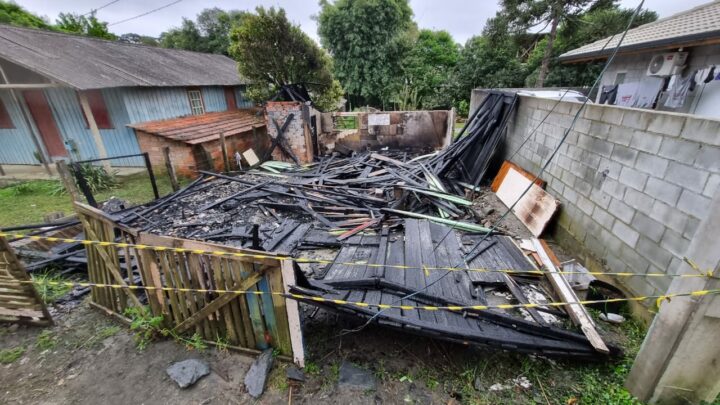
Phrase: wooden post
[170,169]
[99,144]
[2,172]
[84,187]
[153,183]
[67,179]
[223,148]
[293,313]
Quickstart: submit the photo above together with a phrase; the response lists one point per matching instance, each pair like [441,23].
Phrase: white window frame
[197,105]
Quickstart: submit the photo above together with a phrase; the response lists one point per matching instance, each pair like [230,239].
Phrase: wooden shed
[194,141]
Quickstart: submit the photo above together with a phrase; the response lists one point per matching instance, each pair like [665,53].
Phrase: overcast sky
[462,18]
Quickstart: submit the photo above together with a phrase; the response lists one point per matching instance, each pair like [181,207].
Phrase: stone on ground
[186,373]
[257,375]
[353,377]
[295,374]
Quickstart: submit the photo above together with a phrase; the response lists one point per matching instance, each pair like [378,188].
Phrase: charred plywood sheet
[535,208]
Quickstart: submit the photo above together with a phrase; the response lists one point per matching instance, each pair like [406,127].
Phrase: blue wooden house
[71,97]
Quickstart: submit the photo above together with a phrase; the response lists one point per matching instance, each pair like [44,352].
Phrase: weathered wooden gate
[19,300]
[183,285]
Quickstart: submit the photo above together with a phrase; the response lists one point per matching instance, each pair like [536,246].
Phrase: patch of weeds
[50,286]
[8,356]
[97,178]
[312,368]
[195,342]
[146,327]
[29,188]
[406,378]
[278,378]
[429,377]
[101,335]
[335,372]
[221,344]
[46,340]
[381,372]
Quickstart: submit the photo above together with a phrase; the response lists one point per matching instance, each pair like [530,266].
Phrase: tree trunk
[545,66]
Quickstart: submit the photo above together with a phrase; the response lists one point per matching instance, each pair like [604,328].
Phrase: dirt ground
[90,358]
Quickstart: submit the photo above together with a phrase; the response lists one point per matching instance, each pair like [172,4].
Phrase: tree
[210,33]
[600,21]
[137,39]
[12,14]
[81,25]
[272,52]
[368,40]
[526,14]
[427,68]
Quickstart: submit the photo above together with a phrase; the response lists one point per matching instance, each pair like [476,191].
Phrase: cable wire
[145,13]
[95,10]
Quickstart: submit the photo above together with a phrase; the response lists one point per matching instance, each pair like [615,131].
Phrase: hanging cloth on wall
[626,94]
[710,75]
[677,91]
[608,94]
[647,92]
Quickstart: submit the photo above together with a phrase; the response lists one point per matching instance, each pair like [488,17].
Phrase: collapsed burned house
[387,236]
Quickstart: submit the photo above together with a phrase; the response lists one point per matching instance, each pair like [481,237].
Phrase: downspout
[28,123]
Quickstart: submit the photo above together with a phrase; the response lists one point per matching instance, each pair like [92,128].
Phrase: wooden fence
[19,300]
[245,321]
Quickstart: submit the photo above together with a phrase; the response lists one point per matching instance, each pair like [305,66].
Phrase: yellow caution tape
[421,267]
[301,297]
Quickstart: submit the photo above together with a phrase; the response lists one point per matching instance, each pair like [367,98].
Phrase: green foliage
[13,14]
[82,25]
[8,356]
[50,286]
[427,66]
[272,52]
[312,368]
[97,178]
[146,326]
[209,33]
[46,340]
[369,41]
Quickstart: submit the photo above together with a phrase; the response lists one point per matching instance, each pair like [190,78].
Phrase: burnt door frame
[42,116]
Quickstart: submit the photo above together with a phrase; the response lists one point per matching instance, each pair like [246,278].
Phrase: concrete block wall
[634,184]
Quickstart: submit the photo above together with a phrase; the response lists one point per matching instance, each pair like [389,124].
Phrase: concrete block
[593,243]
[661,284]
[651,164]
[670,216]
[614,188]
[708,158]
[712,186]
[620,135]
[599,129]
[572,138]
[662,190]
[585,141]
[591,159]
[701,130]
[614,263]
[636,119]
[626,234]
[585,205]
[690,228]
[570,195]
[612,242]
[612,116]
[601,147]
[593,112]
[679,150]
[648,227]
[666,124]
[582,187]
[693,204]
[687,176]
[568,178]
[637,199]
[582,125]
[603,218]
[623,155]
[621,210]
[601,199]
[646,141]
[636,263]
[674,243]
[633,178]
[610,168]
[653,252]
[574,152]
[638,286]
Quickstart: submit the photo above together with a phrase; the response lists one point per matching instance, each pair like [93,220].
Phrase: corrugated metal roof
[91,63]
[196,129]
[697,24]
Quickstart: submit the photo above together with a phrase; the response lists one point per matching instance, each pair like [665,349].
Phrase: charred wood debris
[400,211]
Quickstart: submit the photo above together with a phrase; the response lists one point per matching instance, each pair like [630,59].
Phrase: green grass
[8,356]
[46,340]
[45,284]
[30,201]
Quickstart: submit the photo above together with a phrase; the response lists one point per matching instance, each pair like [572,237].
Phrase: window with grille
[196,102]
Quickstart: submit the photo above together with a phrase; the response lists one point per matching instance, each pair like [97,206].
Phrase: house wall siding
[16,145]
[634,184]
[635,69]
